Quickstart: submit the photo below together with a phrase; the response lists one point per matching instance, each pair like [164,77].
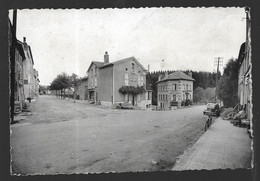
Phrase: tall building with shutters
[121,81]
[174,88]
[245,71]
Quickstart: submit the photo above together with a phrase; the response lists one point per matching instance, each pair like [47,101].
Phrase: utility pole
[218,62]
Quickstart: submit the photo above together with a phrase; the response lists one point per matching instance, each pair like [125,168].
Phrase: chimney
[160,77]
[190,73]
[24,39]
[166,74]
[106,58]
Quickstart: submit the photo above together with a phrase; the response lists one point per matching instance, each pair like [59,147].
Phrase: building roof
[20,49]
[128,59]
[84,78]
[31,54]
[26,47]
[123,61]
[178,75]
[98,64]
[104,65]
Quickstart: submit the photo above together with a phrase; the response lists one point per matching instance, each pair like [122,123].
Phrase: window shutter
[126,79]
[142,80]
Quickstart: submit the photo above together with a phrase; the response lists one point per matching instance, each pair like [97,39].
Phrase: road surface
[62,137]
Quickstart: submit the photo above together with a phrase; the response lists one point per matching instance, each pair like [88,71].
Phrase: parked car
[125,105]
[212,109]
[91,102]
[186,103]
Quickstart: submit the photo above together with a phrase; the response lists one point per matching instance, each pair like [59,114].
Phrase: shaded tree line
[228,84]
[204,86]
[201,95]
[64,81]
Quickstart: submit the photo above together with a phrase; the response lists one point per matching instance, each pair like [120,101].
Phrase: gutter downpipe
[113,87]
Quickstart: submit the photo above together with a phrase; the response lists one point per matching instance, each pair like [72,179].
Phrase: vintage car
[212,109]
[125,105]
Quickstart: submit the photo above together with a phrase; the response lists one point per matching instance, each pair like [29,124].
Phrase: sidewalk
[222,146]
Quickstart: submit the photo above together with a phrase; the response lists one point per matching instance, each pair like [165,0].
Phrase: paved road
[59,136]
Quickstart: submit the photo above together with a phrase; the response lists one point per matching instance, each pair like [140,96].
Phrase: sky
[163,38]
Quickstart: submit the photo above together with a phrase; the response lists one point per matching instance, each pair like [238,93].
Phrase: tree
[228,84]
[198,94]
[210,94]
[60,83]
[74,82]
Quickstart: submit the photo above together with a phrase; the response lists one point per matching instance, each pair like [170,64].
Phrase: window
[138,80]
[126,69]
[142,81]
[166,97]
[133,67]
[95,70]
[174,86]
[91,71]
[126,79]
[174,97]
[126,98]
[95,82]
[149,97]
[92,83]
[187,86]
[138,97]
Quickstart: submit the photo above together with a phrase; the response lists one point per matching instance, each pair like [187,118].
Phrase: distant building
[36,82]
[174,88]
[82,89]
[118,82]
[245,70]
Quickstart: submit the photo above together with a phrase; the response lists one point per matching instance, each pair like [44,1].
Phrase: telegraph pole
[218,62]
